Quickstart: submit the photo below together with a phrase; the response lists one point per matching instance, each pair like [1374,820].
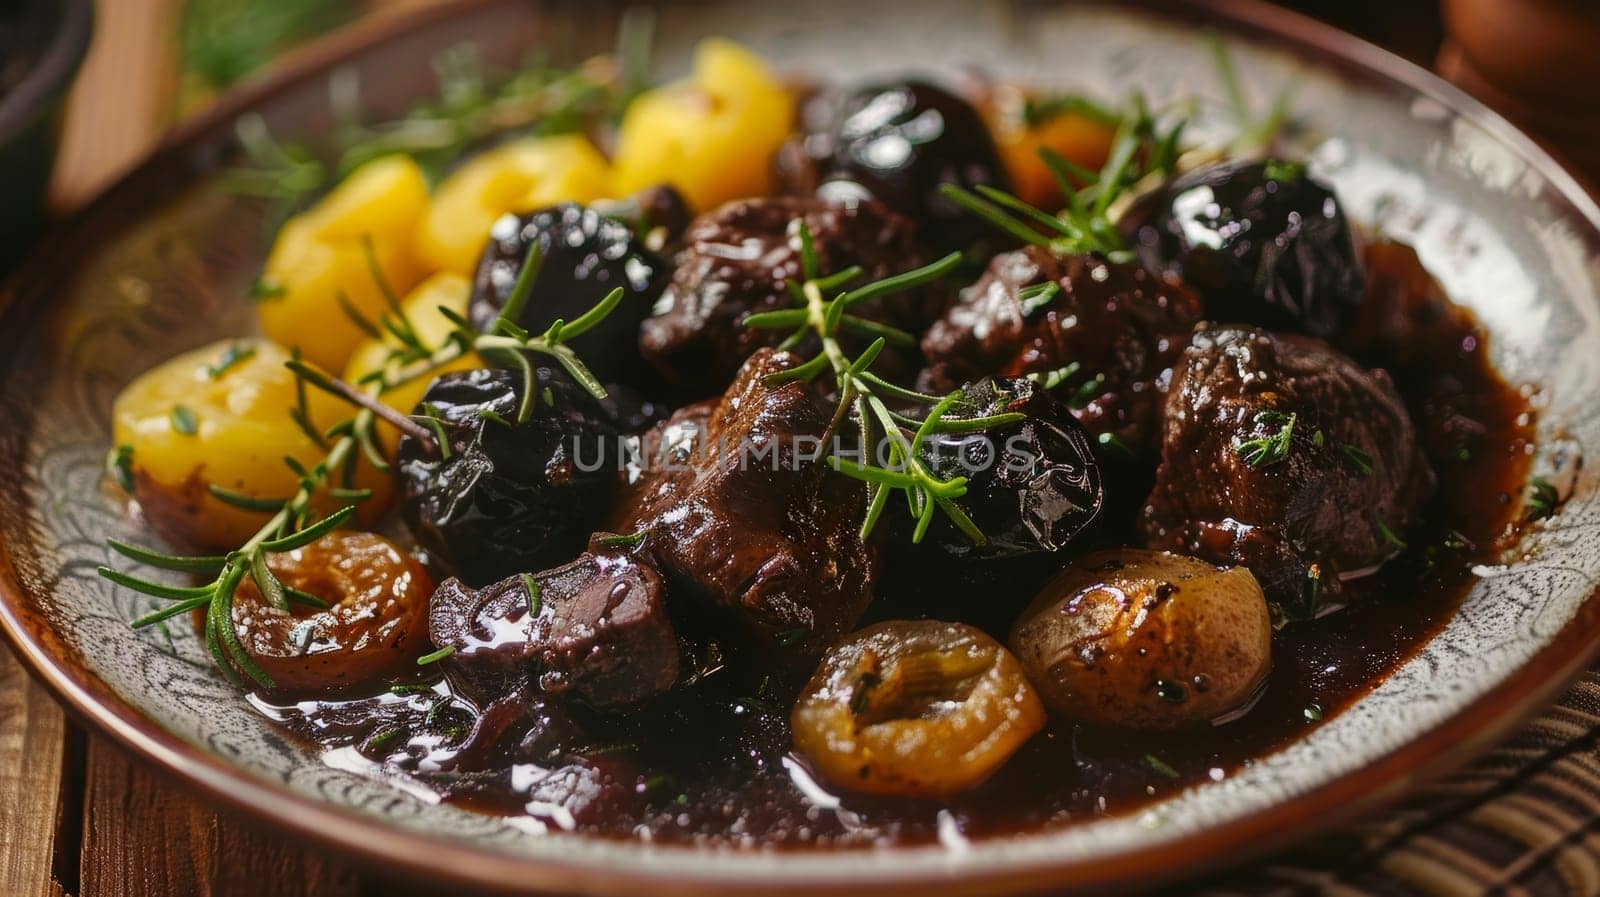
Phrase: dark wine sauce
[712,763]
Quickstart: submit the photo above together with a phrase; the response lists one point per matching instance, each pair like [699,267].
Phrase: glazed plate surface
[163,263]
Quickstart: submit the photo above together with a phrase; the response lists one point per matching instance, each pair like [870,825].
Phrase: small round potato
[220,416]
[1138,639]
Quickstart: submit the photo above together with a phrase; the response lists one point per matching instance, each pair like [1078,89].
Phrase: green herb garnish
[1359,461]
[183,420]
[1036,296]
[864,397]
[1111,442]
[1265,451]
[484,412]
[531,586]
[119,465]
[1389,534]
[436,656]
[1542,499]
[629,540]
[1141,148]
[1157,765]
[1054,378]
[234,354]
[467,112]
[262,289]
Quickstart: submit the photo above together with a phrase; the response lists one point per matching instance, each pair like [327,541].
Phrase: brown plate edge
[1475,728]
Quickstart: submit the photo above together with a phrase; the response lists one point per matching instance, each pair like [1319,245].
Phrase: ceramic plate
[162,263]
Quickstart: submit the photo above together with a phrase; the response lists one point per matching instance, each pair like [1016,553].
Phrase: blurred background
[153,62]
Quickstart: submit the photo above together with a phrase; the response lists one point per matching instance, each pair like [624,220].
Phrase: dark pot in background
[42,45]
[1535,62]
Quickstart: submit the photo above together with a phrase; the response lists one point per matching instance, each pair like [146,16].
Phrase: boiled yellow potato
[713,135]
[421,308]
[221,415]
[319,255]
[520,176]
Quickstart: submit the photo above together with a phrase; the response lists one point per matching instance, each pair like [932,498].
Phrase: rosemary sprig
[1141,147]
[1254,134]
[293,524]
[865,398]
[467,111]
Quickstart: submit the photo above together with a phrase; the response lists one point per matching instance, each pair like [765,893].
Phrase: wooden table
[78,816]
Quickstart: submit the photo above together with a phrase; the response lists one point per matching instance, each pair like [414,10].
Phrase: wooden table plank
[122,101]
[32,758]
[146,836]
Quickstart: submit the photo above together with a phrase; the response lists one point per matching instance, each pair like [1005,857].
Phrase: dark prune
[1263,242]
[1031,486]
[586,255]
[508,496]
[898,143]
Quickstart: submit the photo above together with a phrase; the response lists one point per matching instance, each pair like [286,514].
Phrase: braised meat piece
[1283,455]
[1262,241]
[596,628]
[1032,485]
[585,255]
[1119,327]
[507,496]
[735,263]
[744,519]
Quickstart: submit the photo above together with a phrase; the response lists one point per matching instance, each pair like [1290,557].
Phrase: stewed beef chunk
[1032,485]
[1263,242]
[1283,455]
[596,628]
[1116,329]
[585,256]
[744,519]
[735,262]
[507,496]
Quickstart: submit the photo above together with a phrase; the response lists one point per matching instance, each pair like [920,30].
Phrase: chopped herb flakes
[1265,451]
[1157,765]
[1542,499]
[184,421]
[234,354]
[119,464]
